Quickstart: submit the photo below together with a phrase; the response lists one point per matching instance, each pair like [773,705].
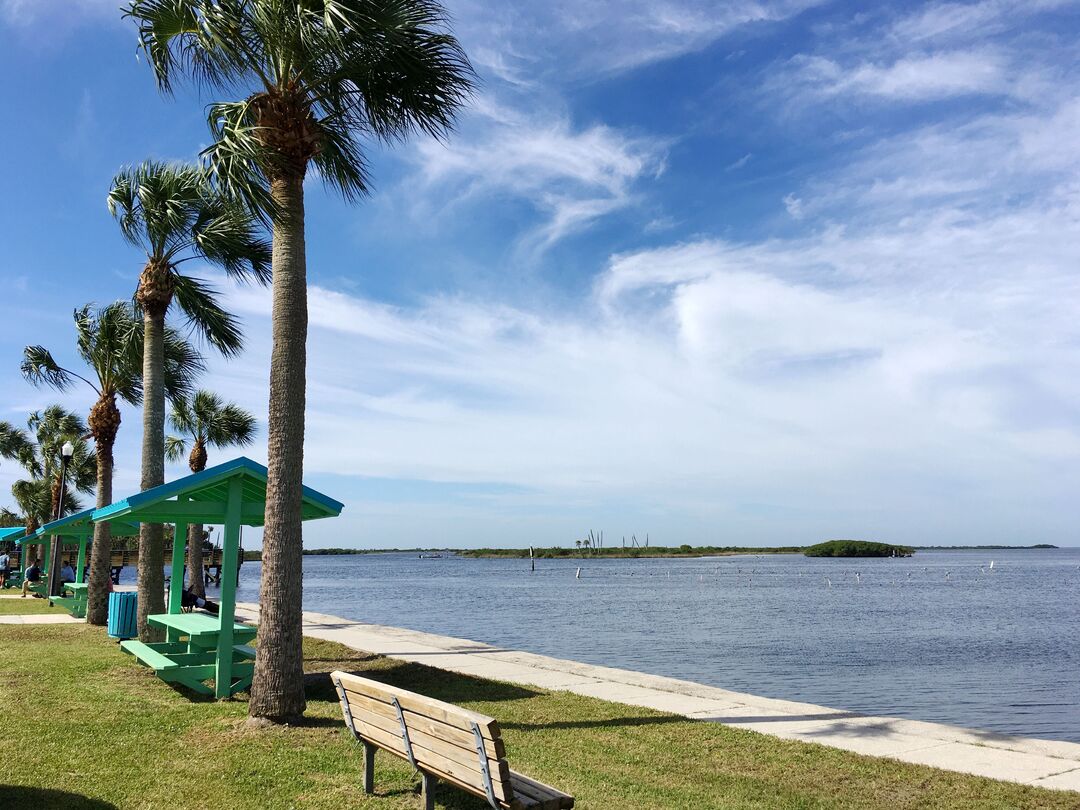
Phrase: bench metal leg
[369,768]
[427,791]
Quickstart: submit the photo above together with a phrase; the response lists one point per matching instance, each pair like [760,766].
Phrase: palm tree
[174,215]
[39,495]
[323,74]
[13,445]
[110,343]
[13,441]
[208,422]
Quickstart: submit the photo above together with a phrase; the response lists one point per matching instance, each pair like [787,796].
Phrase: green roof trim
[201,498]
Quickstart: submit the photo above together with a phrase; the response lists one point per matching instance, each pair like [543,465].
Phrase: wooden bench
[442,741]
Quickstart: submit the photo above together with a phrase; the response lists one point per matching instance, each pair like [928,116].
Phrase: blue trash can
[123,615]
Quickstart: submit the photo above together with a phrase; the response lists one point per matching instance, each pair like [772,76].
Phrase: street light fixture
[67,451]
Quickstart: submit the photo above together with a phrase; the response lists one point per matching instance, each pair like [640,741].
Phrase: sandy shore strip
[1046,763]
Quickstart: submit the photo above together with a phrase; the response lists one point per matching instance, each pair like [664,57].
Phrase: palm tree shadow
[44,798]
[611,722]
[434,683]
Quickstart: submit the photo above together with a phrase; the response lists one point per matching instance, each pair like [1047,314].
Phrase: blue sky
[732,273]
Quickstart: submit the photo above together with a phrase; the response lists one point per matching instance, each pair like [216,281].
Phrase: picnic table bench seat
[190,656]
[147,654]
[442,741]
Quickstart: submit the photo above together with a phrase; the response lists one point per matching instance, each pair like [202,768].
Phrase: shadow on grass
[352,659]
[188,693]
[611,722]
[42,798]
[435,683]
[732,720]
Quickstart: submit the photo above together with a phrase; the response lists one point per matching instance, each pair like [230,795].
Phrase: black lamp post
[56,546]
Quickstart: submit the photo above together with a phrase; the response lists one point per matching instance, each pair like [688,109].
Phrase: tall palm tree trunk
[195,560]
[104,422]
[196,575]
[97,591]
[151,537]
[277,691]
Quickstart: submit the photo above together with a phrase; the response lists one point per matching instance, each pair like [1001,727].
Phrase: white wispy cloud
[938,51]
[570,176]
[942,22]
[24,13]
[846,370]
[580,40]
[923,77]
[979,165]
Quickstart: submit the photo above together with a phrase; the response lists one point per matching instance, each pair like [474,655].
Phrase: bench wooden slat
[465,755]
[428,707]
[548,797]
[362,703]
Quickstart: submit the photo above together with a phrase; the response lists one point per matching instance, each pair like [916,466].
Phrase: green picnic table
[74,604]
[192,652]
[201,629]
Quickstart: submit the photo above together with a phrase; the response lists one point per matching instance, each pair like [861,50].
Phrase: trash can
[123,615]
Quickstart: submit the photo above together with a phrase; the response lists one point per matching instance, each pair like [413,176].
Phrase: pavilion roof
[201,498]
[78,525]
[12,533]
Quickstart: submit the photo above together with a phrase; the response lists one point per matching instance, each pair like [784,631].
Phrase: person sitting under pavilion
[31,576]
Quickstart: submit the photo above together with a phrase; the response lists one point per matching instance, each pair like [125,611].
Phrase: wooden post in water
[532,560]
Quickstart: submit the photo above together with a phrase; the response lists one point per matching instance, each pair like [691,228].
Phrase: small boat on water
[435,556]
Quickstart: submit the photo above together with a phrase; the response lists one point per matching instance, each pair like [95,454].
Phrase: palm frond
[175,213]
[13,441]
[182,417]
[34,498]
[183,365]
[205,316]
[209,420]
[110,342]
[227,235]
[236,157]
[175,448]
[349,68]
[39,368]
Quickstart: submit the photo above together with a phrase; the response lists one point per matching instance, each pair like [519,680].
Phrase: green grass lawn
[85,727]
[25,606]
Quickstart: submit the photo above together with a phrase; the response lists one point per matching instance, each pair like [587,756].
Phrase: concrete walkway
[1047,763]
[41,618]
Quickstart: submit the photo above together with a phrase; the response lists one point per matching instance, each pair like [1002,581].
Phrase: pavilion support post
[176,567]
[227,611]
[81,564]
[47,567]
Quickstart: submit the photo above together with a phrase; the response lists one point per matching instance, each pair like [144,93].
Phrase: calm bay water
[939,636]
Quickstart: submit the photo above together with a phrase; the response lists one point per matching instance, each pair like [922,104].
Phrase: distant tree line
[857,548]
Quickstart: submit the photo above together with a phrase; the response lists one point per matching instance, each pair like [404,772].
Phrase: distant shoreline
[986,548]
[619,552]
